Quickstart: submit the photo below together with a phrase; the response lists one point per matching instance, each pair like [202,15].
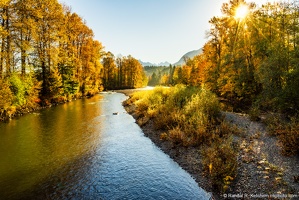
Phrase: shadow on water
[81,150]
[73,180]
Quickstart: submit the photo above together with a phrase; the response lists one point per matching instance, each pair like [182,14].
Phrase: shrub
[5,94]
[220,161]
[164,136]
[150,103]
[191,116]
[177,136]
[195,111]
[254,113]
[138,95]
[203,108]
[163,121]
[18,89]
[202,114]
[140,99]
[32,87]
[289,138]
[180,95]
[286,131]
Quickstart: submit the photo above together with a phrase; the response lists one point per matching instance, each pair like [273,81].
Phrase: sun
[241,11]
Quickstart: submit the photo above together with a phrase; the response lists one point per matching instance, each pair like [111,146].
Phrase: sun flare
[241,11]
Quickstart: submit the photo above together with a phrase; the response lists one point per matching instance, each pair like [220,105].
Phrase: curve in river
[82,150]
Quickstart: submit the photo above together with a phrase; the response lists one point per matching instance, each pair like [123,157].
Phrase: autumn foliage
[190,116]
[248,61]
[49,55]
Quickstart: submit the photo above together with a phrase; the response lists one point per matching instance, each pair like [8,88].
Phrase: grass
[190,116]
[287,131]
[220,161]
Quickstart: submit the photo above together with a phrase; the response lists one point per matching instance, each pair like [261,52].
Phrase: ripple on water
[100,156]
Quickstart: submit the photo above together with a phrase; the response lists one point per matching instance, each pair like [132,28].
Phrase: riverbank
[189,158]
[18,111]
[82,151]
[262,168]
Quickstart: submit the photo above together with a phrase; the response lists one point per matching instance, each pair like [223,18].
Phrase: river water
[80,150]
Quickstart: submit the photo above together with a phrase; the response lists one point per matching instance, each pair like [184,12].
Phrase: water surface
[81,150]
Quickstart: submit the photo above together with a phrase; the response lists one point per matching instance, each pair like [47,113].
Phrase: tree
[109,70]
[49,18]
[24,29]
[7,15]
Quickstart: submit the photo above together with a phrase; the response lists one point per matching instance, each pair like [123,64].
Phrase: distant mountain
[164,64]
[190,54]
[145,64]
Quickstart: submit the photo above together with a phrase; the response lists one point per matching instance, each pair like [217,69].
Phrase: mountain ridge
[190,54]
[146,64]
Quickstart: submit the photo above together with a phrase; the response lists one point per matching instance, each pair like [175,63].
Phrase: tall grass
[287,131]
[190,116]
[220,161]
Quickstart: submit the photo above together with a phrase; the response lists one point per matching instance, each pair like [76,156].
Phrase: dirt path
[263,170]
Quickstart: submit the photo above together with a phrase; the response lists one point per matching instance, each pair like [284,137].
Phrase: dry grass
[220,161]
[190,116]
[286,131]
[289,138]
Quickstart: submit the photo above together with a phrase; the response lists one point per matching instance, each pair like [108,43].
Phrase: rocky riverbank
[189,158]
[262,169]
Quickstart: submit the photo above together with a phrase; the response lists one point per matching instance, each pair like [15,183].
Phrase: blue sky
[150,30]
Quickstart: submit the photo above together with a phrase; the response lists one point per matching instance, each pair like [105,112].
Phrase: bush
[254,113]
[289,138]
[177,136]
[188,112]
[203,108]
[18,88]
[32,88]
[202,114]
[220,161]
[18,95]
[286,131]
[180,95]
[5,94]
[191,116]
[164,121]
[150,103]
[274,123]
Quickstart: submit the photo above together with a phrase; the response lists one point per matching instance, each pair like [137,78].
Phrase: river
[82,150]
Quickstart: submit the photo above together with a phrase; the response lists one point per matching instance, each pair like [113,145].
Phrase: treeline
[48,55]
[251,61]
[122,73]
[158,75]
[255,60]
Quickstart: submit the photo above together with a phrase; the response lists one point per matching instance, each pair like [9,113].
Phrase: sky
[150,30]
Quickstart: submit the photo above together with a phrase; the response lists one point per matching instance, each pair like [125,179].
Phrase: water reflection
[38,144]
[81,150]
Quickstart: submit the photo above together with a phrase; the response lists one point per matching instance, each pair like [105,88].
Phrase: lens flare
[241,12]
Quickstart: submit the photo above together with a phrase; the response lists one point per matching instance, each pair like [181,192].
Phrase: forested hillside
[49,55]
